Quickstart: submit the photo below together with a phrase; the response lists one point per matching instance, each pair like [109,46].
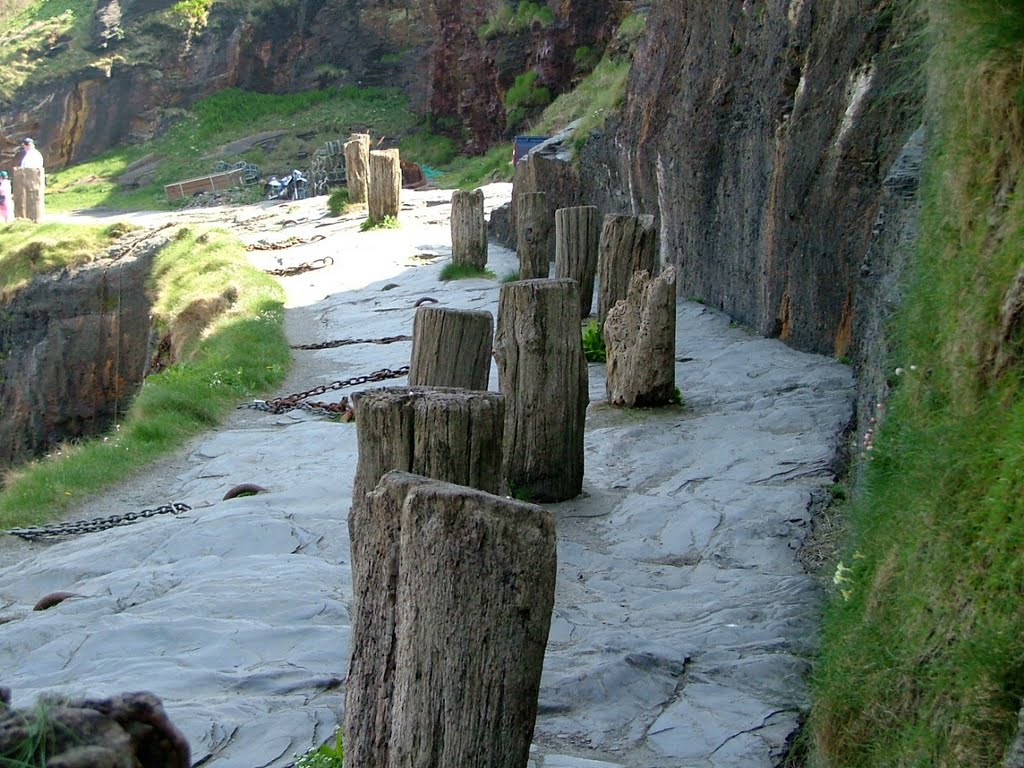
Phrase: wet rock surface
[683,620]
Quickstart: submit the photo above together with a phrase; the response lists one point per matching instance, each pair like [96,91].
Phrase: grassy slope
[243,353]
[923,661]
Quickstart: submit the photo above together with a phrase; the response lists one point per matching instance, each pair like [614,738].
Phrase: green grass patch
[524,98]
[44,40]
[508,20]
[329,755]
[388,222]
[510,277]
[923,655]
[631,28]
[593,343]
[596,98]
[426,148]
[242,354]
[28,249]
[453,271]
[472,172]
[41,729]
[337,202]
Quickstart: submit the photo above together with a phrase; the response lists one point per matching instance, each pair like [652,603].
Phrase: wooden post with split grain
[357,166]
[628,244]
[543,374]
[29,193]
[640,338]
[384,193]
[533,235]
[445,434]
[475,593]
[451,348]
[577,237]
[469,230]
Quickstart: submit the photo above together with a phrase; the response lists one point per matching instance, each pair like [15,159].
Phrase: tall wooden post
[385,184]
[533,235]
[640,336]
[357,166]
[475,593]
[451,348]
[29,191]
[447,434]
[627,246]
[469,230]
[543,375]
[577,237]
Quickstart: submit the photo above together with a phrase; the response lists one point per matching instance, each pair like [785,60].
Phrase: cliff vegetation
[923,662]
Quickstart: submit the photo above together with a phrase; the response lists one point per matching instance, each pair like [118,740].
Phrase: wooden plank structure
[211,183]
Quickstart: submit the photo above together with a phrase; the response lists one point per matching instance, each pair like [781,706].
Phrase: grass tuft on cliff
[602,91]
[923,655]
[241,354]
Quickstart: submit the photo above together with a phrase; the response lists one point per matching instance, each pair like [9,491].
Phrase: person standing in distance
[6,203]
[30,156]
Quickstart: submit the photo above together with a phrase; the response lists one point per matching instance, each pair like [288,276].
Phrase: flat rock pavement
[683,621]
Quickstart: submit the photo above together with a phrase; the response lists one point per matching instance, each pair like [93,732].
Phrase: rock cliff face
[759,133]
[430,48]
[72,351]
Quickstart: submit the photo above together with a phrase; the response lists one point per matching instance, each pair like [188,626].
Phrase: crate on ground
[211,183]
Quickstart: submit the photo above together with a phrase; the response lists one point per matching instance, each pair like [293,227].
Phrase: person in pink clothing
[6,202]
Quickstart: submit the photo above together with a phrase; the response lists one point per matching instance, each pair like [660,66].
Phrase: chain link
[306,266]
[297,400]
[75,527]
[288,242]
[347,342]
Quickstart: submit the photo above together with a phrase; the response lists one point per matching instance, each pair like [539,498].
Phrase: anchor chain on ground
[298,399]
[76,527]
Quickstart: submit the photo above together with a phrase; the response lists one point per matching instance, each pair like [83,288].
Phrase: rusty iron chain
[306,266]
[288,242]
[75,527]
[299,399]
[347,342]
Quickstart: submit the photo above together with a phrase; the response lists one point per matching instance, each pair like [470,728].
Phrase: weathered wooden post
[475,594]
[640,337]
[627,246]
[543,375]
[577,237]
[357,166]
[469,230]
[29,192]
[451,348]
[533,234]
[447,434]
[385,184]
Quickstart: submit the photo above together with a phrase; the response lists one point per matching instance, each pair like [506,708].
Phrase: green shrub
[338,201]
[508,21]
[388,222]
[524,97]
[585,58]
[428,148]
[195,13]
[329,755]
[593,343]
[631,27]
[471,172]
